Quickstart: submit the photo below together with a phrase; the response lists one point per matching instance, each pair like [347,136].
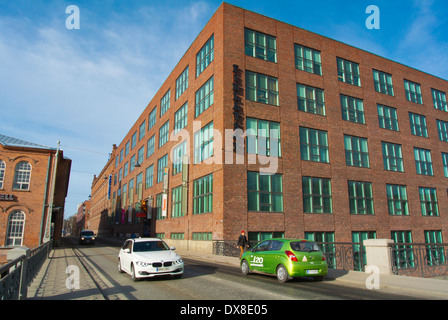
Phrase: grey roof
[14,142]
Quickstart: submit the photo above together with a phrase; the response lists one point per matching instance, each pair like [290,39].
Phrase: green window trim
[203,194]
[316,195]
[263,137]
[360,197]
[264,192]
[397,200]
[314,145]
[260,45]
[261,88]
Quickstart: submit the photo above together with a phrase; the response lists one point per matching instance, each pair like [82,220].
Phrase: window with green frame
[413,92]
[142,130]
[392,157]
[202,236]
[308,59]
[263,137]
[316,195]
[203,194]
[178,152]
[435,254]
[383,82]
[152,118]
[423,161]
[176,201]
[445,164]
[150,145]
[352,109]
[387,117]
[360,197]
[348,72]
[356,152]
[182,83]
[310,99]
[403,253]
[158,207]
[264,192]
[165,103]
[397,200]
[177,235]
[428,201]
[261,88]
[442,127]
[161,164]
[260,45]
[254,237]
[439,100]
[164,133]
[359,257]
[134,140]
[313,145]
[205,56]
[181,118]
[418,125]
[204,97]
[203,143]
[325,240]
[149,176]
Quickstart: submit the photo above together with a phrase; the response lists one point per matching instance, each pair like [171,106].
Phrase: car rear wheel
[245,267]
[282,274]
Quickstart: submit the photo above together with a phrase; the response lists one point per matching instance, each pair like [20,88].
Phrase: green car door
[257,257]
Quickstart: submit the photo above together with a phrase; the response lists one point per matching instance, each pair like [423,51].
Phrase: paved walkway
[52,281]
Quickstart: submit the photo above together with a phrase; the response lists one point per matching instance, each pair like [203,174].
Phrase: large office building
[338,144]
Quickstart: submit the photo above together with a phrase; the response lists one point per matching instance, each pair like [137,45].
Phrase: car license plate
[162,269]
[312,271]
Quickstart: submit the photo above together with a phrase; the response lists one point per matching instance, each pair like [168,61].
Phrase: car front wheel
[119,266]
[245,267]
[282,274]
[133,275]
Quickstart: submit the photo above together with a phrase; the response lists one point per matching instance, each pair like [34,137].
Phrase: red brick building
[27,178]
[357,144]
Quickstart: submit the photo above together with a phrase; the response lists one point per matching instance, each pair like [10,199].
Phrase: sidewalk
[51,282]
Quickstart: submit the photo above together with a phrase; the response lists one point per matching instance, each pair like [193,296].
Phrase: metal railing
[420,259]
[17,275]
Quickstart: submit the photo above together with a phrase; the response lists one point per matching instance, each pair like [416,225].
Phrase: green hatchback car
[285,258]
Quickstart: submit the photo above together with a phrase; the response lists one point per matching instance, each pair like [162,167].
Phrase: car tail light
[291,256]
[323,257]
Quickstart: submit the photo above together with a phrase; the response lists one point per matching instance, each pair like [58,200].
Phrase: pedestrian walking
[242,243]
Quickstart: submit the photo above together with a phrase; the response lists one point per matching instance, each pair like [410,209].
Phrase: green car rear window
[304,246]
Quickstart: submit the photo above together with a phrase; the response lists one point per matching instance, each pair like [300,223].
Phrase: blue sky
[87,87]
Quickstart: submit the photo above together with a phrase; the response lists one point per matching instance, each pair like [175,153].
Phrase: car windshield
[142,246]
[87,233]
[304,246]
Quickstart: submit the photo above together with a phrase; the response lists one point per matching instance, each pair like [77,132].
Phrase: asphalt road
[208,281]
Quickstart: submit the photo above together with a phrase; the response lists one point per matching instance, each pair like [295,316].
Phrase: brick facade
[230,212]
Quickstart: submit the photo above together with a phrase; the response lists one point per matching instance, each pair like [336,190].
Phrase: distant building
[82,217]
[359,143]
[26,183]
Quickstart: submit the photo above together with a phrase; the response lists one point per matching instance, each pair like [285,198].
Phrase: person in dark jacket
[242,243]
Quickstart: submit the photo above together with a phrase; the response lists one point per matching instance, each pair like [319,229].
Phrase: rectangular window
[260,45]
[356,152]
[203,143]
[180,118]
[397,200]
[255,237]
[134,140]
[435,254]
[392,157]
[313,145]
[203,194]
[178,152]
[348,72]
[352,109]
[423,162]
[439,100]
[413,91]
[150,145]
[161,164]
[165,103]
[428,201]
[404,256]
[445,163]
[177,235]
[360,197]
[182,83]
[307,59]
[125,169]
[152,118]
[142,130]
[310,99]
[264,192]
[149,177]
[204,97]
[383,82]
[316,195]
[176,197]
[205,56]
[418,125]
[132,163]
[126,149]
[442,127]
[261,88]
[158,207]
[263,137]
[202,236]
[140,155]
[387,117]
[164,133]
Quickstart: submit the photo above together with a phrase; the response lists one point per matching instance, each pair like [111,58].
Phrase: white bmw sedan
[149,257]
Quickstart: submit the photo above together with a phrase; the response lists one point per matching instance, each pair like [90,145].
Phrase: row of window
[264,47]
[22,175]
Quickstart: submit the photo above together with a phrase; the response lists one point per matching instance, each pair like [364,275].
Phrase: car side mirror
[127,250]
[173,248]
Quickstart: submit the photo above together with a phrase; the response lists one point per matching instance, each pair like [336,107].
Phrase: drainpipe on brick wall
[45,200]
[47,235]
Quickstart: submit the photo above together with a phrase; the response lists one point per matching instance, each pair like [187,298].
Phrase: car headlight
[142,263]
[178,261]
